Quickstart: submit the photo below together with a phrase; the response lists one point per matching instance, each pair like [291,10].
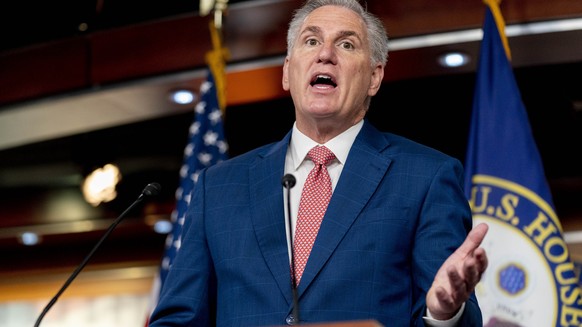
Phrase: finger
[445,300]
[471,273]
[474,239]
[482,260]
[458,286]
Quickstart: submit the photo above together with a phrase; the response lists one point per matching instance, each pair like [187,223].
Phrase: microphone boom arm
[150,190]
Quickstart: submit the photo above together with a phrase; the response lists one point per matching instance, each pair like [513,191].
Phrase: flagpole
[500,22]
[217,57]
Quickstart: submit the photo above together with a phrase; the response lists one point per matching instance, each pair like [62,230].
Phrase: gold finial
[219,7]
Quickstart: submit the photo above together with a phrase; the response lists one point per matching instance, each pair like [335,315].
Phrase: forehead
[335,18]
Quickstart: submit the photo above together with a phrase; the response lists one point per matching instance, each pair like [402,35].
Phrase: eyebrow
[349,33]
[317,30]
[312,29]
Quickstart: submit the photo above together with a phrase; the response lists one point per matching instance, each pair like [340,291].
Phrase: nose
[327,53]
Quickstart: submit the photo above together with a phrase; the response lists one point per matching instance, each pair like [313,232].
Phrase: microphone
[150,190]
[288,182]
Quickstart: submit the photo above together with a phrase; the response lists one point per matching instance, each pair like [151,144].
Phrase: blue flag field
[531,280]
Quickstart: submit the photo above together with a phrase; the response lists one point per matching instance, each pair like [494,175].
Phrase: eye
[347,45]
[311,42]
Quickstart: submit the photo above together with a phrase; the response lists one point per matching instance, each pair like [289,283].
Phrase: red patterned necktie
[312,206]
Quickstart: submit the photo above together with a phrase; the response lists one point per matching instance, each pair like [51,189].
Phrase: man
[388,244]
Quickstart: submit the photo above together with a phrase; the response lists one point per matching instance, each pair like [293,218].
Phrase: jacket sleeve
[444,222]
[187,296]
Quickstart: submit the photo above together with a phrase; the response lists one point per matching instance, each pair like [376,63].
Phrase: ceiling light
[163,227]
[99,186]
[453,59]
[29,238]
[182,96]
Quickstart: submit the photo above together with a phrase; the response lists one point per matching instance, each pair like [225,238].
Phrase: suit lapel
[267,212]
[365,167]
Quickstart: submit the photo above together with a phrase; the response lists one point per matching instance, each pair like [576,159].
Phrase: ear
[285,80]
[376,79]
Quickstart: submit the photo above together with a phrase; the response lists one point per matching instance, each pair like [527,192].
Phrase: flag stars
[200,107]
[205,158]
[195,176]
[184,171]
[214,116]
[188,198]
[195,128]
[166,263]
[178,193]
[205,87]
[210,138]
[178,243]
[222,146]
[169,240]
[188,150]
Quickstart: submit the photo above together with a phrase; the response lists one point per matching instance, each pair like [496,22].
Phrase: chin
[322,113]
[322,107]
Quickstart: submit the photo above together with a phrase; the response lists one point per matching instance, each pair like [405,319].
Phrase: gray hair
[377,35]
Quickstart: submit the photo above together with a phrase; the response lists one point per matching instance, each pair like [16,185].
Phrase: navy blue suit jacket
[397,212]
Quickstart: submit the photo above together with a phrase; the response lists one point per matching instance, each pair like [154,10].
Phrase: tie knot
[321,155]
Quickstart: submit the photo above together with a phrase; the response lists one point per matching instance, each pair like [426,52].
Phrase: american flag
[206,146]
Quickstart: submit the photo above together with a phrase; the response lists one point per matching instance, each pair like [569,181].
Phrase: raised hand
[458,276]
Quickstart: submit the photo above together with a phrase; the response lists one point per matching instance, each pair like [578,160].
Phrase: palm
[458,276]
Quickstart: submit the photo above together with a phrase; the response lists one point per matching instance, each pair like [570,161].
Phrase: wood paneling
[251,30]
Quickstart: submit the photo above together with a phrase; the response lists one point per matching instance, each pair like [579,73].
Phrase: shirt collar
[339,145]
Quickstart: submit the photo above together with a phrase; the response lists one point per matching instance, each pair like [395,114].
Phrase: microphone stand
[150,190]
[288,182]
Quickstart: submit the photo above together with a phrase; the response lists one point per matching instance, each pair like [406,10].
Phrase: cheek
[359,83]
[294,74]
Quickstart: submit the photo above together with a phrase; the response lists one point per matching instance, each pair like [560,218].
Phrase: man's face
[328,70]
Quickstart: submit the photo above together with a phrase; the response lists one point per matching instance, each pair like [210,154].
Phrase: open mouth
[323,80]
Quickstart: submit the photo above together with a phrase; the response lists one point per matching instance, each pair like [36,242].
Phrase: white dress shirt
[296,164]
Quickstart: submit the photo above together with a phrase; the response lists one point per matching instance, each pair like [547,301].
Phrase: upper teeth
[323,79]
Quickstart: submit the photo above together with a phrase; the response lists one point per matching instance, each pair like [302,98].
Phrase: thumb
[475,238]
